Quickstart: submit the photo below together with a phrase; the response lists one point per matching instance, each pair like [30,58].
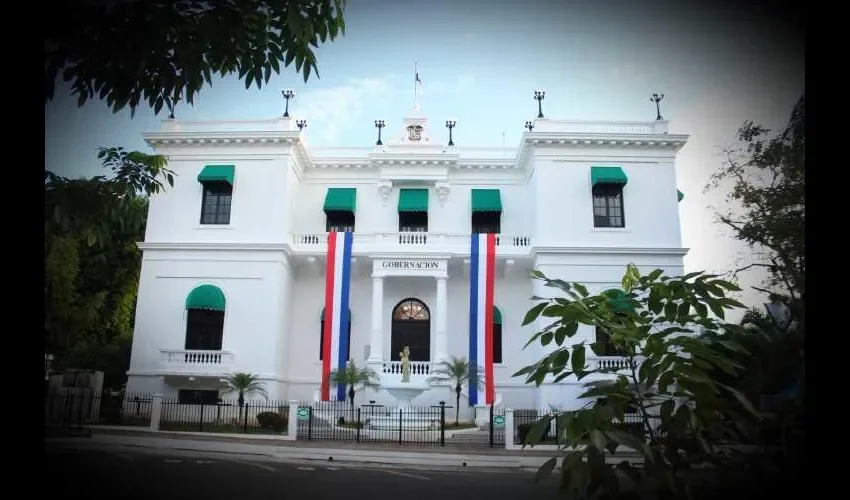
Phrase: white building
[233,280]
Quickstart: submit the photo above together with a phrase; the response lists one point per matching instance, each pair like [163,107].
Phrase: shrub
[272,420]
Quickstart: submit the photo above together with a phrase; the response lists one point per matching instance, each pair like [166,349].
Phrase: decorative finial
[379,124]
[538,96]
[657,99]
[450,124]
[287,94]
[529,125]
[301,124]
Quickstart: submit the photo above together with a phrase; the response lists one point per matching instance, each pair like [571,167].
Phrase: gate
[377,424]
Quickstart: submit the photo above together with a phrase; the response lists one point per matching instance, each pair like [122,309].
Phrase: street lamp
[529,125]
[287,94]
[301,124]
[657,99]
[538,96]
[379,124]
[450,124]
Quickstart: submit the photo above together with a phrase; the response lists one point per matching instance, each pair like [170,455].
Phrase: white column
[441,336]
[156,411]
[509,428]
[376,348]
[292,421]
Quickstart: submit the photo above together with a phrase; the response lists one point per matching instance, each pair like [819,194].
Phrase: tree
[159,51]
[455,371]
[768,195]
[670,381]
[244,384]
[354,377]
[92,263]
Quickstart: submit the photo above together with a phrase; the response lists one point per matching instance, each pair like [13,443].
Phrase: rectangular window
[197,397]
[413,222]
[608,206]
[339,221]
[607,344]
[486,222]
[204,330]
[497,343]
[216,203]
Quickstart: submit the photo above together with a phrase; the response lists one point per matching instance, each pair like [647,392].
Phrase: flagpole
[415,86]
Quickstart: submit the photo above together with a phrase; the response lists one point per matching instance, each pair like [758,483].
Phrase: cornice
[221,246]
[212,138]
[609,250]
[586,140]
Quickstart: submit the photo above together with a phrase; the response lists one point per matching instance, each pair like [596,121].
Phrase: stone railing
[612,363]
[592,127]
[195,360]
[422,368]
[366,242]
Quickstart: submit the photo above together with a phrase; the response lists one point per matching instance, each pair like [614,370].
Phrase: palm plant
[244,384]
[455,371]
[354,377]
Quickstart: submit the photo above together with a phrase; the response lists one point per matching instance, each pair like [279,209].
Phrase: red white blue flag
[337,285]
[482,274]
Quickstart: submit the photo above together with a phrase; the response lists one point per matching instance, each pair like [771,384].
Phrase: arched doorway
[411,327]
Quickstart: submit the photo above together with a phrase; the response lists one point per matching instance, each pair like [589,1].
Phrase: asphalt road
[124,473]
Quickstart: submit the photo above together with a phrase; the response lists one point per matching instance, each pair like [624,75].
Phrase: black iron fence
[339,421]
[257,417]
[76,408]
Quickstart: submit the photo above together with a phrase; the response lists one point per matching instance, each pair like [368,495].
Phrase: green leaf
[743,399]
[546,338]
[545,470]
[535,434]
[716,309]
[629,440]
[554,311]
[578,358]
[582,290]
[597,437]
[670,312]
[533,313]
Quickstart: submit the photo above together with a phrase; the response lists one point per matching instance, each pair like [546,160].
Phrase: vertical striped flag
[337,285]
[482,273]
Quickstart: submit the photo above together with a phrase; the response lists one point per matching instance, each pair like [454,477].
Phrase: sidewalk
[277,449]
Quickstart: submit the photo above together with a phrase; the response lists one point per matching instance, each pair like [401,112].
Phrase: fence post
[292,421]
[400,419]
[310,423]
[509,428]
[245,418]
[442,423]
[201,420]
[491,425]
[156,411]
[357,427]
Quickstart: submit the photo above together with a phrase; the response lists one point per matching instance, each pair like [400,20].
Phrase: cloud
[331,109]
[626,72]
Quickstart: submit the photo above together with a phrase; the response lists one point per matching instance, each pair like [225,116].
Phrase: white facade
[269,260]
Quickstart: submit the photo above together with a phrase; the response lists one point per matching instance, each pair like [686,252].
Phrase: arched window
[497,335]
[322,333]
[411,327]
[205,318]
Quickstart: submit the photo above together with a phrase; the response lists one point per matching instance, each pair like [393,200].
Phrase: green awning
[681,195]
[486,200]
[217,173]
[497,316]
[413,200]
[607,175]
[208,297]
[341,200]
[618,300]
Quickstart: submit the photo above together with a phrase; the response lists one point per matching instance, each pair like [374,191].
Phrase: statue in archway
[405,364]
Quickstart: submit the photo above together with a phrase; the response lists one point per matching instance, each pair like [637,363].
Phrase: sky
[717,63]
